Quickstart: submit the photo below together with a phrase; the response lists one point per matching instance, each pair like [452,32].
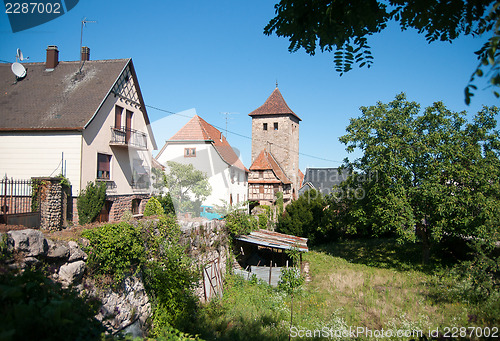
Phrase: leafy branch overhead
[343,27]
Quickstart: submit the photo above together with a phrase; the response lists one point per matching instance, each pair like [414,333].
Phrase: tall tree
[430,175]
[343,26]
[187,186]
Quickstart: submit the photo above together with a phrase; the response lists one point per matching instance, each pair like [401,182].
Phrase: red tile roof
[197,129]
[274,105]
[266,161]
[301,177]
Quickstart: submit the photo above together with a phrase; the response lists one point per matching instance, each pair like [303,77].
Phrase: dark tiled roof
[59,99]
[323,179]
[197,129]
[266,161]
[274,105]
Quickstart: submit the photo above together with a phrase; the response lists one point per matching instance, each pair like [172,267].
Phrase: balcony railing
[128,137]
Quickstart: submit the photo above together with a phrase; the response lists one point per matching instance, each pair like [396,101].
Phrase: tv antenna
[226,114]
[84,24]
[19,56]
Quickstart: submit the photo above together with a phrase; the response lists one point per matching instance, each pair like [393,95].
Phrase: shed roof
[275,240]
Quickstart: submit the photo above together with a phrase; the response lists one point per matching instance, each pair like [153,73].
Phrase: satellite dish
[19,55]
[18,69]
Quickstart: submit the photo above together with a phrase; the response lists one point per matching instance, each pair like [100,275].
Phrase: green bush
[169,276]
[90,202]
[33,307]
[307,217]
[167,203]
[114,251]
[153,207]
[240,223]
[263,220]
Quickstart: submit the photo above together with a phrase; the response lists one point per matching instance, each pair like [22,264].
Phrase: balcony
[129,138]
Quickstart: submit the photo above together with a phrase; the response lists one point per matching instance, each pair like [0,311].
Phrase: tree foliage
[307,217]
[432,173]
[34,307]
[153,207]
[90,202]
[343,27]
[187,186]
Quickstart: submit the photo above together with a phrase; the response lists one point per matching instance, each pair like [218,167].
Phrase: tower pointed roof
[274,105]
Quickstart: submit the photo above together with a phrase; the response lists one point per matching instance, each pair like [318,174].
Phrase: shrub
[169,275]
[90,202]
[239,223]
[307,217]
[114,250]
[153,207]
[167,203]
[263,220]
[33,307]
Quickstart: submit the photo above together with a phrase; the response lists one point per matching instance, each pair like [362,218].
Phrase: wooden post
[270,268]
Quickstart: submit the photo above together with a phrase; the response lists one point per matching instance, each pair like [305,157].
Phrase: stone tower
[275,129]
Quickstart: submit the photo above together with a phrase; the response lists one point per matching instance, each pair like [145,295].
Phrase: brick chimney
[52,57]
[85,54]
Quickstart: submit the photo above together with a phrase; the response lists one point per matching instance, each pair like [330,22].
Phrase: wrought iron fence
[16,196]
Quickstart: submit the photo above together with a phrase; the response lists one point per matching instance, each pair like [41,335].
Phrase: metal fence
[16,204]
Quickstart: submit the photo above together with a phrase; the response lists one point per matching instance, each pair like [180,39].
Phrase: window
[275,125]
[265,126]
[136,203]
[103,162]
[118,117]
[128,125]
[189,152]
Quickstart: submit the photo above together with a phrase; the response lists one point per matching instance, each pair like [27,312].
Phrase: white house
[200,144]
[85,119]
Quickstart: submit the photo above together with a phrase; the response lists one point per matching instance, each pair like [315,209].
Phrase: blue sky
[213,57]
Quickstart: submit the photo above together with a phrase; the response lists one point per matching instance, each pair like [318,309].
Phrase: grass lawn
[372,284]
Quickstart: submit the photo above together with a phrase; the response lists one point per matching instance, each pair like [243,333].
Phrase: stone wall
[123,203]
[207,242]
[127,310]
[51,203]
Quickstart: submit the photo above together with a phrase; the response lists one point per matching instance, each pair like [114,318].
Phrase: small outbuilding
[263,253]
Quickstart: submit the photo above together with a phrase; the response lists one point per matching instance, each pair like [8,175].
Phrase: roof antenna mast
[228,118]
[84,23]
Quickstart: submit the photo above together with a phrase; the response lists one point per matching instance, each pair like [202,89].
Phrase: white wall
[218,171]
[27,154]
[97,137]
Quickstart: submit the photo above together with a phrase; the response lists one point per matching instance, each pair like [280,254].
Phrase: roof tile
[197,129]
[58,99]
[274,105]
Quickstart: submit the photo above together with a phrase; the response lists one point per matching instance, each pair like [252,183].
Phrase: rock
[71,273]
[57,250]
[29,261]
[75,252]
[29,241]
